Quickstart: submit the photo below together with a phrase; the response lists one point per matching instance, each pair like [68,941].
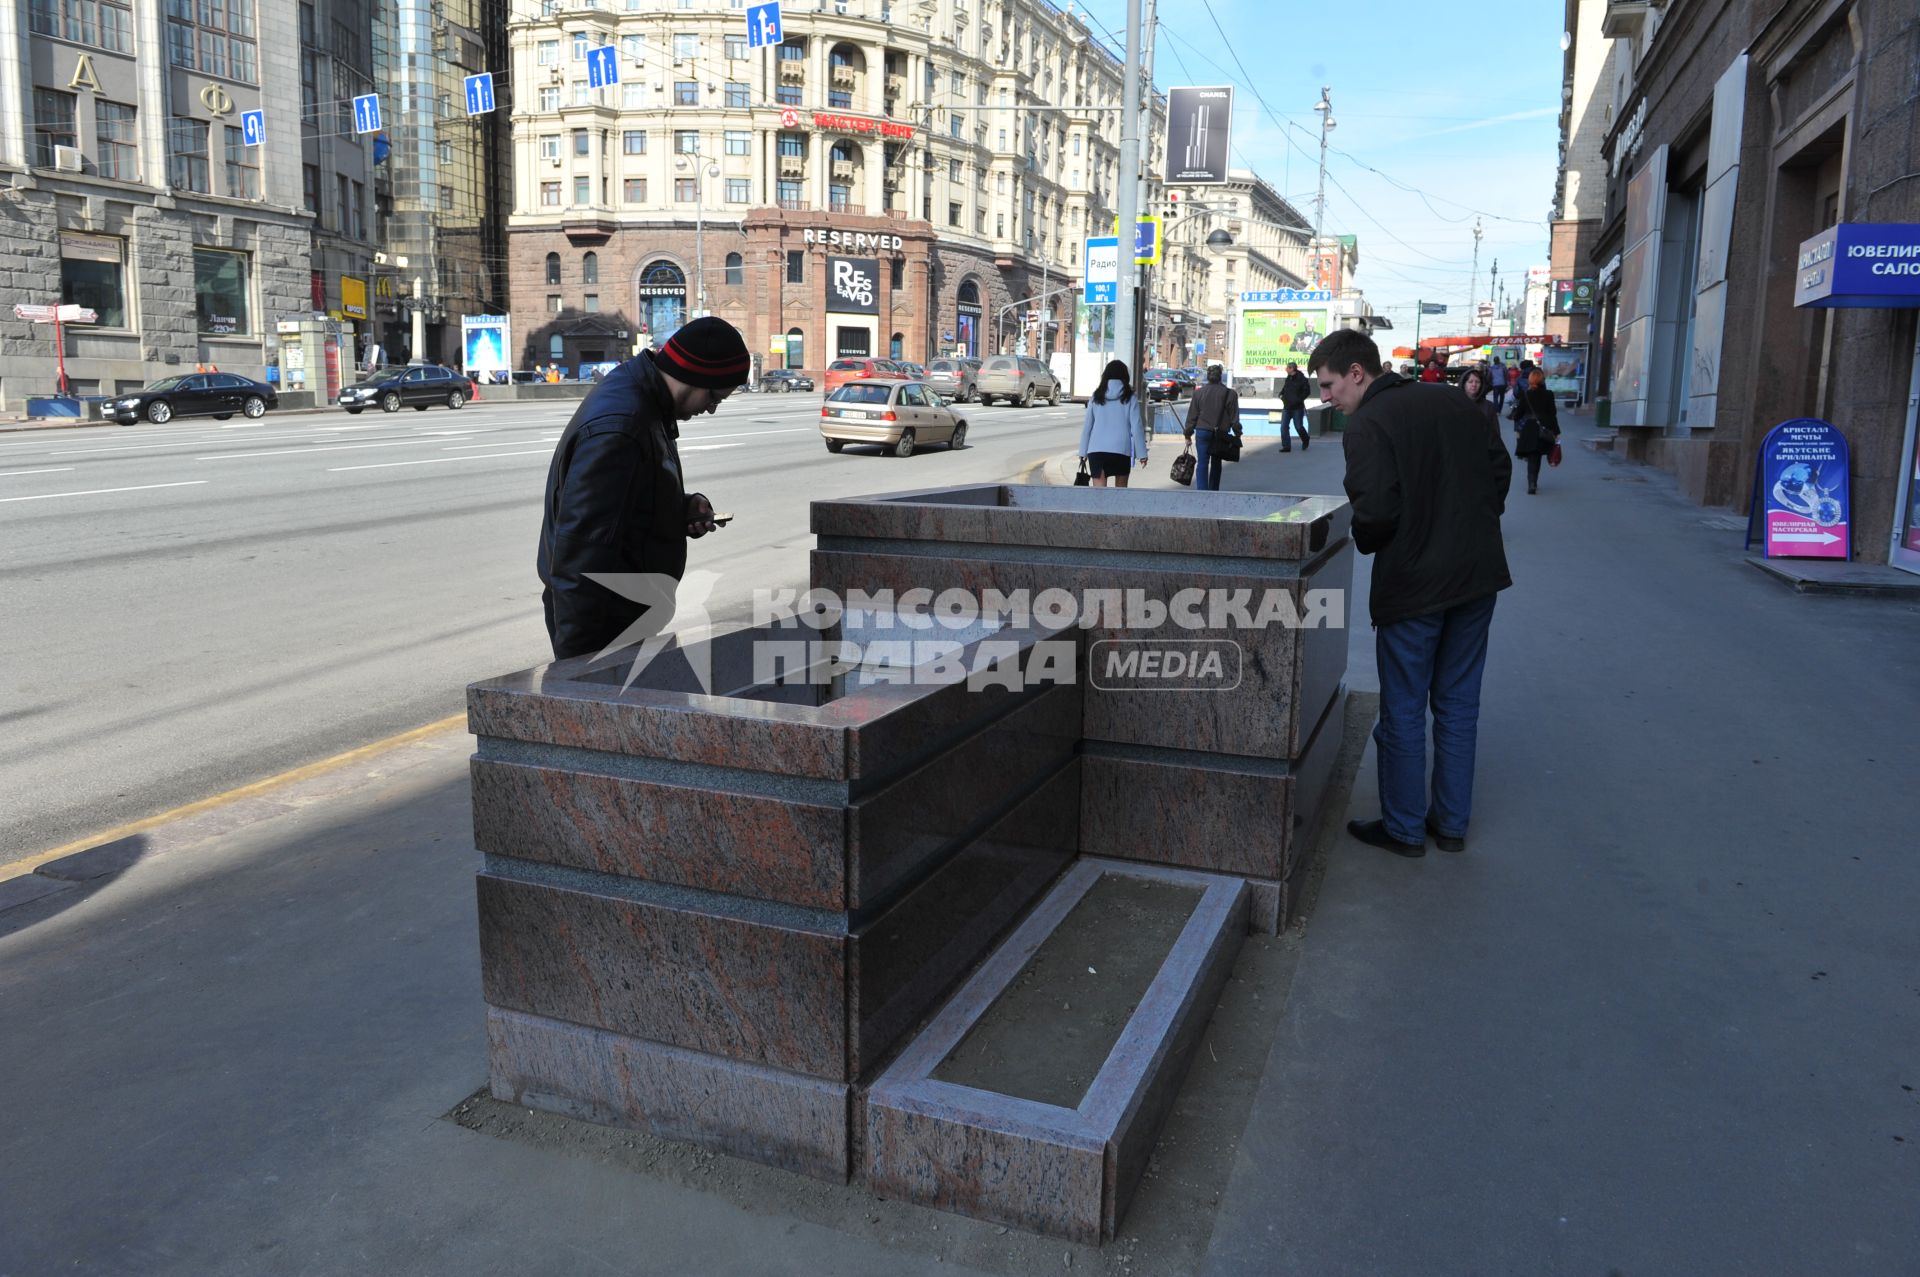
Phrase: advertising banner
[1272,339]
[1566,369]
[353,297]
[1801,496]
[1571,297]
[1870,265]
[1199,127]
[853,285]
[484,344]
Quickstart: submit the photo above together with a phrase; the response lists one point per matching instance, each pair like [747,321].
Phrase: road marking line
[755,434]
[504,443]
[434,461]
[26,865]
[4,474]
[96,492]
[710,447]
[206,442]
[294,452]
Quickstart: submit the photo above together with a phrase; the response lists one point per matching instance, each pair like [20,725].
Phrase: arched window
[896,347]
[796,352]
[553,268]
[736,269]
[846,55]
[970,293]
[845,153]
[663,274]
[590,267]
[556,348]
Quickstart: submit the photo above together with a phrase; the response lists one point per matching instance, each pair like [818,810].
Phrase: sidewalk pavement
[1660,1017]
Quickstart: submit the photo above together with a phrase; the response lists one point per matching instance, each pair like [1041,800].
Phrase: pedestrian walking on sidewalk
[1293,402]
[1212,413]
[1497,375]
[616,501]
[1539,429]
[1427,474]
[1474,387]
[1434,371]
[1113,434]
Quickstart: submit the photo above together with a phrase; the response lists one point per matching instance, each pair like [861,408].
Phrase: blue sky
[1464,110]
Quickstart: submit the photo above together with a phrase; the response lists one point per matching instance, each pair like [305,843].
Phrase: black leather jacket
[615,502]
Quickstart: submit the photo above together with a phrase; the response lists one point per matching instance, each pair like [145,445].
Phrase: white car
[898,415]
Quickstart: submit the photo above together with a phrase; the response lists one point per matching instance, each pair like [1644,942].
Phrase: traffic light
[1173,204]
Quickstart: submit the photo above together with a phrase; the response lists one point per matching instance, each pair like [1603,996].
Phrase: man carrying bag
[1213,425]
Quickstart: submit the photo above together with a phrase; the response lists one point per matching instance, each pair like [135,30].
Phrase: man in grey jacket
[1213,411]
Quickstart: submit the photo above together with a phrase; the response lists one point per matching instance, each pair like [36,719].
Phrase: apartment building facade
[127,187]
[888,180]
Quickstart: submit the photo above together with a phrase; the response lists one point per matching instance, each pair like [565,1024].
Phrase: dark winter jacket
[1540,426]
[1294,390]
[615,503]
[1427,474]
[1214,406]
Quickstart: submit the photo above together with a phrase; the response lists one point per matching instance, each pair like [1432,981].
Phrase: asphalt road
[186,608]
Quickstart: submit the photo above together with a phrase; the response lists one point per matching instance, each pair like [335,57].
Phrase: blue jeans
[1206,471]
[1432,660]
[1293,420]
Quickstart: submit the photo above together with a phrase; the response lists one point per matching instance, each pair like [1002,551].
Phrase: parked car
[1166,383]
[910,370]
[841,371]
[897,414]
[784,381]
[418,386]
[1019,378]
[958,379]
[200,394]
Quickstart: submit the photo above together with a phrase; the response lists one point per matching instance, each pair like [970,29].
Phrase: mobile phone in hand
[722,520]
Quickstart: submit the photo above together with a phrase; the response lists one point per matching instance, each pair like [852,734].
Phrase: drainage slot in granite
[1049,1032]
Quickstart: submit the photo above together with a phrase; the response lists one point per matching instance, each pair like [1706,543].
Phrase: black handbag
[1227,445]
[1183,467]
[1083,479]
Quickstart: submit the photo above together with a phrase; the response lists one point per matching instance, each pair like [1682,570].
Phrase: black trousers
[1533,470]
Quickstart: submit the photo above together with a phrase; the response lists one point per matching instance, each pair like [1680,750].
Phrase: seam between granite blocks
[1125,560]
[1168,756]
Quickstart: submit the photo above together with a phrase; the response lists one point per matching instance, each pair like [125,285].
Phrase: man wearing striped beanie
[616,501]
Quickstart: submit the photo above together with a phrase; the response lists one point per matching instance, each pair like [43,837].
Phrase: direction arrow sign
[35,314]
[1103,271]
[253,127]
[366,113]
[479,93]
[71,314]
[1807,538]
[763,24]
[1432,308]
[603,66]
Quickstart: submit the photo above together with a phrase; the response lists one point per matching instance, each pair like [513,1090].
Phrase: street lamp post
[692,160]
[1325,107]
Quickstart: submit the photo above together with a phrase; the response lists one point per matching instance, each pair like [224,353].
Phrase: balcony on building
[585,224]
[1623,18]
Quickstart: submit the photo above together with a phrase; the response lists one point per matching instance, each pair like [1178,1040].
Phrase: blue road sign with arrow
[253,127]
[603,66]
[763,24]
[366,113]
[479,93]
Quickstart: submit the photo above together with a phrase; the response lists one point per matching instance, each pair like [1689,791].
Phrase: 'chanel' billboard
[853,285]
[1199,125]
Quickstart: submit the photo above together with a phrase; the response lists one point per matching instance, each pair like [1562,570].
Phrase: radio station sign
[1861,265]
[860,124]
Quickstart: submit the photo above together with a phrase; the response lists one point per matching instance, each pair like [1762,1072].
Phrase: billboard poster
[1199,125]
[1801,494]
[483,346]
[1572,297]
[853,285]
[1566,368]
[1272,339]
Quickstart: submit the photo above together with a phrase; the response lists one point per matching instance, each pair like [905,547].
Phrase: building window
[581,145]
[739,142]
[796,266]
[736,269]
[787,95]
[52,124]
[634,191]
[953,215]
[550,98]
[590,268]
[243,167]
[633,95]
[590,302]
[357,224]
[582,95]
[633,142]
[579,46]
[999,225]
[214,37]
[793,144]
[549,195]
[91,275]
[686,142]
[548,53]
[737,94]
[840,100]
[1003,141]
[685,47]
[553,303]
[187,155]
[795,51]
[686,93]
[839,198]
[582,191]
[736,48]
[101,23]
[739,190]
[686,190]
[954,126]
[897,272]
[789,195]
[550,146]
[310,187]
[633,46]
[220,292]
[553,268]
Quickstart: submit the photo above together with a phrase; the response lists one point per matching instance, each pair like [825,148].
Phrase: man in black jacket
[616,501]
[1293,398]
[1427,475]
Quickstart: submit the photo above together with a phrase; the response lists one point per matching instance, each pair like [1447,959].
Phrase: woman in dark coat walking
[1476,384]
[1539,429]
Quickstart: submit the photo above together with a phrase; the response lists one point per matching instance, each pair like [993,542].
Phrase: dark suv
[418,386]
